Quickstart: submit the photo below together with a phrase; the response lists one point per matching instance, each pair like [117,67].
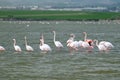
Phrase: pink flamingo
[90,41]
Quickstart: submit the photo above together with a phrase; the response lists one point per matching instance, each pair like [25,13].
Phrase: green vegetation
[56,15]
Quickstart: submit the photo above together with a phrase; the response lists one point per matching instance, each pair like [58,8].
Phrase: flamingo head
[72,35]
[25,37]
[95,40]
[90,41]
[13,39]
[53,31]
[84,33]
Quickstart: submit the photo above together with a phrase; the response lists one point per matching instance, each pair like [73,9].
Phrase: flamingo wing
[85,45]
[102,48]
[29,48]
[17,48]
[80,43]
[46,47]
[102,42]
[2,48]
[58,44]
[109,45]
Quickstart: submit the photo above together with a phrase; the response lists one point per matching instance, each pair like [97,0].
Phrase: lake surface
[58,65]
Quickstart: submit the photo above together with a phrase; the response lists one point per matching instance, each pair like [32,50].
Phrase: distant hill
[66,3]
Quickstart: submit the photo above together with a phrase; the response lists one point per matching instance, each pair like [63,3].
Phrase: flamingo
[90,41]
[58,44]
[107,44]
[44,47]
[100,46]
[16,47]
[2,48]
[28,47]
[71,39]
[72,45]
[86,44]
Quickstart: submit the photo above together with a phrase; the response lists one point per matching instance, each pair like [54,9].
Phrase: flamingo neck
[14,42]
[25,42]
[72,38]
[41,42]
[85,36]
[54,36]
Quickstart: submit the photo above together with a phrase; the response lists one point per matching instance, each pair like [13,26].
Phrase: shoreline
[46,21]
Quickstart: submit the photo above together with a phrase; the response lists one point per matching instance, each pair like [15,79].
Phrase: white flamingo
[16,47]
[72,45]
[100,46]
[71,39]
[107,44]
[28,47]
[58,44]
[44,47]
[2,48]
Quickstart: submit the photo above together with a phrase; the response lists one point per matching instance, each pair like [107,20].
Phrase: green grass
[56,15]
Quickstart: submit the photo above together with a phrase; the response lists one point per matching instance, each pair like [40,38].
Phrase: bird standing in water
[44,47]
[28,47]
[16,47]
[58,44]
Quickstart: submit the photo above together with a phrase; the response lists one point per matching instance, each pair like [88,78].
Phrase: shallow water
[58,65]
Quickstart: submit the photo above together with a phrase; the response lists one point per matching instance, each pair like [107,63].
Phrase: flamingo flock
[73,45]
[88,44]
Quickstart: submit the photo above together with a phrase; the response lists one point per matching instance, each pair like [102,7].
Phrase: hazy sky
[52,2]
